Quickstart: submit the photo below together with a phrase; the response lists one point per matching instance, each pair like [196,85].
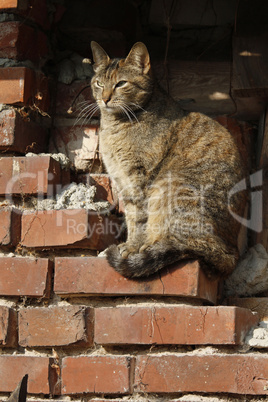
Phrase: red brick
[90,275]
[79,143]
[23,86]
[234,374]
[78,228]
[66,95]
[14,4]
[29,175]
[101,374]
[19,135]
[55,326]
[15,38]
[10,226]
[16,84]
[21,276]
[41,377]
[5,4]
[182,325]
[8,327]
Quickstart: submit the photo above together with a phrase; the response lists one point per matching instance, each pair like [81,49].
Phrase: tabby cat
[174,171]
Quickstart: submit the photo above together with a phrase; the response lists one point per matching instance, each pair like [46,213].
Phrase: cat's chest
[125,147]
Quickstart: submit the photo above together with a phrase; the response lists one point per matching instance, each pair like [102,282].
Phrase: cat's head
[122,86]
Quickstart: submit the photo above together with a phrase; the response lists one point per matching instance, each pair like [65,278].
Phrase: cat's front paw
[144,247]
[125,249]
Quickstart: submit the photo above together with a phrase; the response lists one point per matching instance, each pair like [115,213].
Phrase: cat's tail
[159,255]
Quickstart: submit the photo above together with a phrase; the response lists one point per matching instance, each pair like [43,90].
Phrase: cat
[174,171]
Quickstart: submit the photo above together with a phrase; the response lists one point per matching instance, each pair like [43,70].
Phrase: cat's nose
[106,99]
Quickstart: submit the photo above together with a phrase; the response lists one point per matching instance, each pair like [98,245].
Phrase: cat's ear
[139,57]
[100,57]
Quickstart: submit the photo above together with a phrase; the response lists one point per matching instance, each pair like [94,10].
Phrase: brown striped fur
[174,171]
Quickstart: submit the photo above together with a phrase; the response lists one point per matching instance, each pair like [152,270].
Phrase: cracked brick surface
[55,326]
[23,86]
[33,175]
[13,368]
[20,135]
[65,228]
[105,374]
[15,38]
[167,373]
[10,226]
[169,324]
[8,327]
[21,276]
[95,276]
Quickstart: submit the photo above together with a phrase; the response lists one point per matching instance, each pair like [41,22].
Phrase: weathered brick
[15,38]
[21,276]
[78,228]
[182,325]
[20,135]
[16,85]
[5,4]
[101,374]
[8,327]
[10,226]
[29,175]
[234,374]
[79,143]
[90,275]
[55,326]
[23,86]
[41,375]
[13,4]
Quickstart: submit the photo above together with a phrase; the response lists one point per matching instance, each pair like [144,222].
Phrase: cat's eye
[100,84]
[120,84]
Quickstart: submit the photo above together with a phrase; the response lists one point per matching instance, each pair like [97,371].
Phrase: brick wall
[67,319]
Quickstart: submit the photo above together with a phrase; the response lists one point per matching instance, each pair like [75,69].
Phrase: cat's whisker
[137,106]
[89,114]
[133,114]
[90,106]
[86,113]
[126,112]
[82,120]
[81,114]
[128,108]
[80,106]
[82,103]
